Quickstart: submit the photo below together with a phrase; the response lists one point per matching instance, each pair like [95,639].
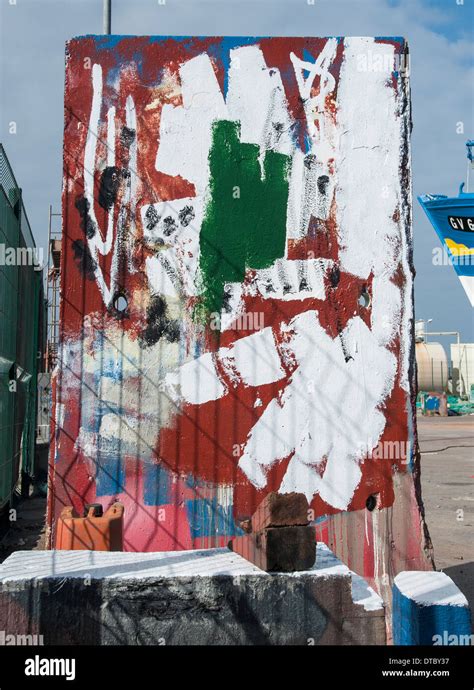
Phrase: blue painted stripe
[207,518]
[157,481]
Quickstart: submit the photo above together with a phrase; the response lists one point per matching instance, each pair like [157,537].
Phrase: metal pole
[456,333]
[47,291]
[107,17]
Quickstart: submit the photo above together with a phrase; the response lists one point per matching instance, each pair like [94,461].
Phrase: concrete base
[428,609]
[206,597]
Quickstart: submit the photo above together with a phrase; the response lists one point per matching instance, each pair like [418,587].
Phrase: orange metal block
[93,532]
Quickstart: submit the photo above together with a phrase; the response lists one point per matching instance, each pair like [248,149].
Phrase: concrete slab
[208,596]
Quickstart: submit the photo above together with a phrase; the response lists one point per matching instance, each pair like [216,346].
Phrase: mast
[470,164]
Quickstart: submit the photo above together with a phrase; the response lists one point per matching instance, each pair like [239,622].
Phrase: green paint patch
[244,224]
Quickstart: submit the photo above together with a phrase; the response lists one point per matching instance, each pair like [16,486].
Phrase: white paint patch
[315,106]
[256,98]
[186,131]
[91,139]
[96,244]
[429,587]
[195,382]
[158,276]
[60,414]
[126,213]
[87,443]
[253,359]
[132,184]
[386,307]
[295,226]
[293,279]
[323,412]
[172,228]
[369,193]
[310,194]
[312,180]
[112,426]
[368,159]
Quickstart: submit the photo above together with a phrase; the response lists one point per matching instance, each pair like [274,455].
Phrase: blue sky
[440,34]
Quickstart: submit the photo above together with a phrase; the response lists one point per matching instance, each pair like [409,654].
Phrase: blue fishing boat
[453,220]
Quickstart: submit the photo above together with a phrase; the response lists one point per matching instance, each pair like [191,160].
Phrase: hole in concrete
[364,299]
[120,303]
[371,503]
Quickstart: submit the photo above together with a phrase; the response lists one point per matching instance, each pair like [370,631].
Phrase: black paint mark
[335,276]
[269,286]
[87,224]
[226,300]
[152,218]
[309,160]
[347,356]
[127,136]
[323,181]
[304,284]
[158,324]
[173,331]
[84,259]
[169,226]
[278,127]
[186,215]
[109,186]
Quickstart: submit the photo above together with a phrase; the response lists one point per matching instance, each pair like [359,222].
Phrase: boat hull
[453,220]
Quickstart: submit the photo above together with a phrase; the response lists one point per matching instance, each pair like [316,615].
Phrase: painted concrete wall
[237,290]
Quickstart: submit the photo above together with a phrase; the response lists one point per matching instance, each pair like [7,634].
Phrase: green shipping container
[20,295]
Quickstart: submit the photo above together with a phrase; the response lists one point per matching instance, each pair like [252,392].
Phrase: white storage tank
[432,367]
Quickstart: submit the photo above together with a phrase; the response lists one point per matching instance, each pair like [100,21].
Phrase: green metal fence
[20,299]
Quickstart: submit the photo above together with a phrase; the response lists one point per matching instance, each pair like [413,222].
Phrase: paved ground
[447,478]
[27,531]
